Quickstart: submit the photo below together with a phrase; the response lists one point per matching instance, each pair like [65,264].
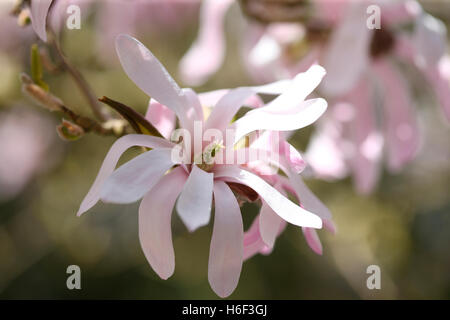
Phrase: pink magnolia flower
[364,84]
[164,182]
[367,82]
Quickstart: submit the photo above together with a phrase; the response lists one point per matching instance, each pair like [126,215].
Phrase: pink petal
[110,162]
[284,207]
[346,57]
[430,39]
[253,243]
[39,12]
[401,125]
[438,75]
[269,225]
[207,52]
[302,115]
[161,117]
[366,140]
[155,215]
[194,204]
[226,250]
[135,178]
[439,78]
[307,198]
[325,154]
[150,76]
[313,240]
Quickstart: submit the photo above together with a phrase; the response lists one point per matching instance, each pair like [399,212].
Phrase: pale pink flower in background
[371,108]
[142,17]
[157,178]
[26,140]
[366,85]
[207,52]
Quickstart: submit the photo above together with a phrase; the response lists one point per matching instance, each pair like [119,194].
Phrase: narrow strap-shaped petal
[161,117]
[366,139]
[307,198]
[346,57]
[135,178]
[226,108]
[312,239]
[155,216]
[110,162]
[430,40]
[269,225]
[194,204]
[39,12]
[401,129]
[438,75]
[150,76]
[227,241]
[207,52]
[284,207]
[302,86]
[301,116]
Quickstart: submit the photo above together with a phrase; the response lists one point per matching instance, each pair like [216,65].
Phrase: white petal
[301,116]
[284,207]
[149,75]
[131,181]
[110,162]
[194,204]
[301,87]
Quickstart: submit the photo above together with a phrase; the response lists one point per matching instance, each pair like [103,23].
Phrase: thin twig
[81,83]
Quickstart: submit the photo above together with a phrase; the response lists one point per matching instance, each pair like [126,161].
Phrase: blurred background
[404,226]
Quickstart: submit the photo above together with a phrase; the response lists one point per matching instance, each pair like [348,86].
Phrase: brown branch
[81,83]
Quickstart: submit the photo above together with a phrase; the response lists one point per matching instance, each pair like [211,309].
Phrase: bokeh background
[404,227]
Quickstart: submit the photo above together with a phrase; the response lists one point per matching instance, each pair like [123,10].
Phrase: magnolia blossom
[161,179]
[366,84]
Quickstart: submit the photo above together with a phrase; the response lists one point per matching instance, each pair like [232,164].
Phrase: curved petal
[194,204]
[301,116]
[39,12]
[313,240]
[402,132]
[155,215]
[226,108]
[346,57]
[439,78]
[110,162]
[131,181]
[307,198]
[150,76]
[253,243]
[302,86]
[207,52]
[227,241]
[269,225]
[366,140]
[161,117]
[430,40]
[284,207]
